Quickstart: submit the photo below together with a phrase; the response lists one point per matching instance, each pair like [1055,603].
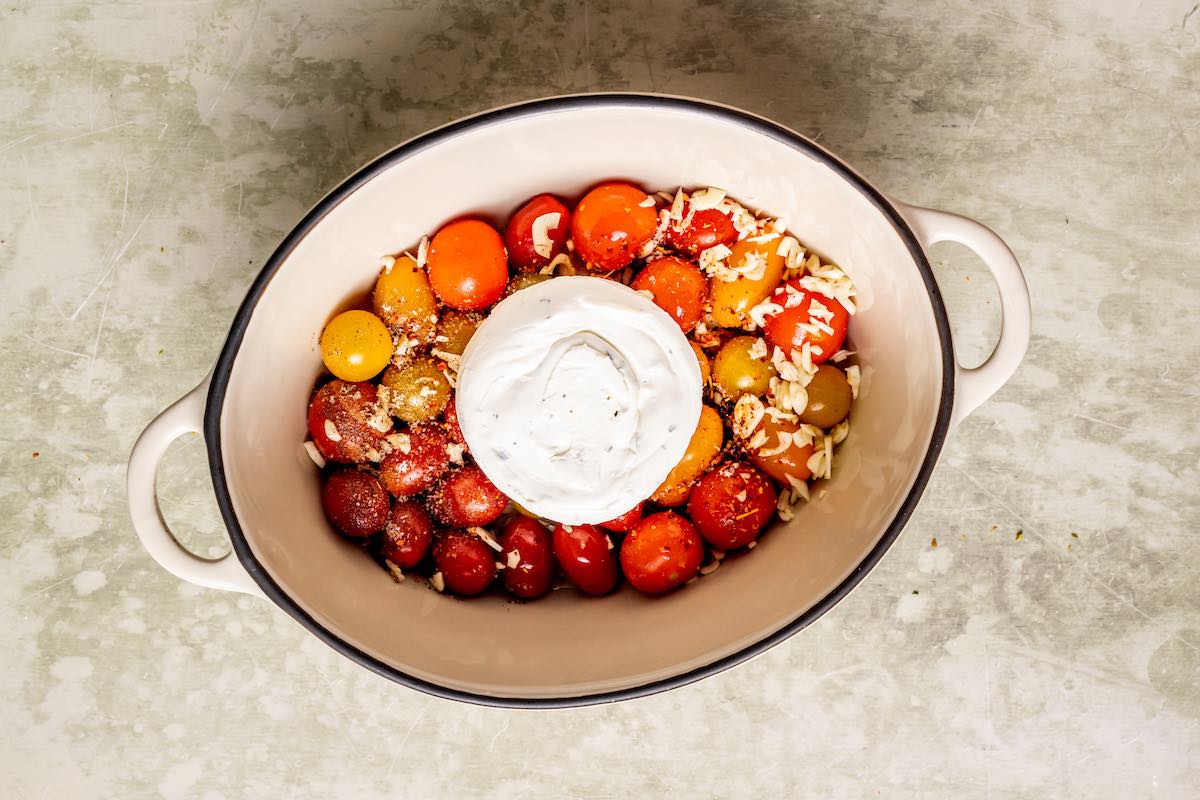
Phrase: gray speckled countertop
[152,155]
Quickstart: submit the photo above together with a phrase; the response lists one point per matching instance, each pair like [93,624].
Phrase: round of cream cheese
[577,396]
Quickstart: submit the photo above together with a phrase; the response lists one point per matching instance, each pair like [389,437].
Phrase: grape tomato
[355,502]
[467,564]
[585,554]
[528,557]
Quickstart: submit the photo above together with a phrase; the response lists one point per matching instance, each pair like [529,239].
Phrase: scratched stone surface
[152,155]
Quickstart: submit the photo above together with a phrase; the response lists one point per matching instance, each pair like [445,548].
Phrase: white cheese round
[577,396]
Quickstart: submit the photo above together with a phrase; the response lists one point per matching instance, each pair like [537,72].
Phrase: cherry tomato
[829,397]
[407,534]
[466,498]
[408,473]
[792,461]
[417,390]
[708,228]
[736,373]
[626,521]
[611,225]
[468,269]
[702,361]
[731,504]
[679,288]
[452,427]
[663,551]
[528,557]
[467,564]
[345,423]
[356,345]
[404,301]
[585,554]
[355,502]
[702,450]
[528,252]
[524,281]
[784,329]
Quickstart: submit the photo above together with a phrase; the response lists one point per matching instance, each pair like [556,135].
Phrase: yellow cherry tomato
[404,300]
[702,451]
[732,300]
[356,345]
[702,360]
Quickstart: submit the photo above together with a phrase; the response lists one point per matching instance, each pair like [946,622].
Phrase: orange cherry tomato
[612,223]
[792,461]
[468,268]
[519,235]
[679,288]
[661,552]
[785,329]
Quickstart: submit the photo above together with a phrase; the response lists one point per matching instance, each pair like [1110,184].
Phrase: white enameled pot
[566,649]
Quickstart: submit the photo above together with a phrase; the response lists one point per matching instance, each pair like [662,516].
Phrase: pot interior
[567,645]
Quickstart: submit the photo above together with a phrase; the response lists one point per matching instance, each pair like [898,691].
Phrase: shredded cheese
[399,441]
[707,198]
[840,356]
[397,573]
[854,378]
[543,245]
[747,415]
[483,534]
[782,444]
[314,454]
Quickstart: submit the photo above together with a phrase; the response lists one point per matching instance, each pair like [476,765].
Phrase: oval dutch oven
[565,649]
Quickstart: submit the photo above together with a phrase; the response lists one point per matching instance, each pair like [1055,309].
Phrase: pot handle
[975,385]
[185,415]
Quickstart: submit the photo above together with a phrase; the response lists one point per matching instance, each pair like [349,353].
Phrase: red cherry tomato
[585,554]
[407,534]
[663,551]
[518,235]
[708,228]
[345,423]
[730,505]
[611,225]
[406,474]
[466,498]
[528,557]
[468,269]
[467,564]
[452,427]
[784,329]
[626,521]
[679,288]
[355,502]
